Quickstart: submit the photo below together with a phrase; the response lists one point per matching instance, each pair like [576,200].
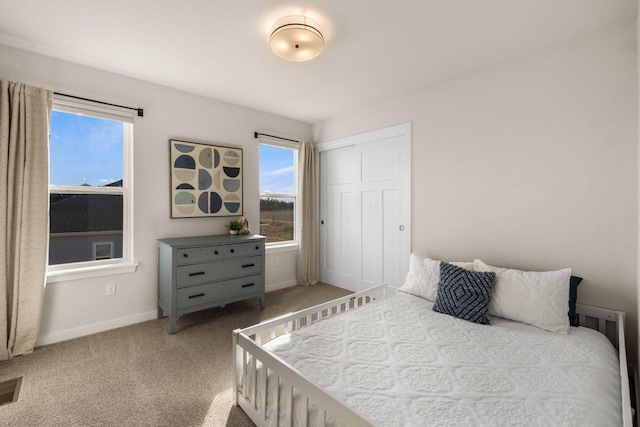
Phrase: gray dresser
[195,273]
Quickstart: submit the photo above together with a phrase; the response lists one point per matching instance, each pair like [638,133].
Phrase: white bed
[370,360]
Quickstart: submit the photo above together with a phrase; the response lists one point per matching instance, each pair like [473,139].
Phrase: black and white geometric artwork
[206,180]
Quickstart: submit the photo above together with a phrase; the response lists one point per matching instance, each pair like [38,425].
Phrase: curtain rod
[139,110]
[256,135]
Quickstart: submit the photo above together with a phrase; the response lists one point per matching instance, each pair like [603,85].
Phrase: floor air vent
[9,390]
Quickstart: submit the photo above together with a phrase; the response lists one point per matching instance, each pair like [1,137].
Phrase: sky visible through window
[85,150]
[276,170]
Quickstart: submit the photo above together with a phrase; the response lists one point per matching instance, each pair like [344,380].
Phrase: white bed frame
[248,351]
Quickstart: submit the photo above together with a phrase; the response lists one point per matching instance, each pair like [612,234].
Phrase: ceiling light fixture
[296,38]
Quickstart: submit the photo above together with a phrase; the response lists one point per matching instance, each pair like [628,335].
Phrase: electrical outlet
[110,289]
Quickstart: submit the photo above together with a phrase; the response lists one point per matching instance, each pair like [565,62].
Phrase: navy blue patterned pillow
[464,294]
[573,296]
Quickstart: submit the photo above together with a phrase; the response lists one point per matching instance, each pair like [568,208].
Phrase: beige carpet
[141,376]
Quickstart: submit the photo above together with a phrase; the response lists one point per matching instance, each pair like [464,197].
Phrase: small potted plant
[234,226]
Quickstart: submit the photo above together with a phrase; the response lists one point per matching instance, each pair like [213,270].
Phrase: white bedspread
[400,364]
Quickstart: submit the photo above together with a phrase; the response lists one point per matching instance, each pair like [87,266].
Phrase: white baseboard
[94,328]
[275,286]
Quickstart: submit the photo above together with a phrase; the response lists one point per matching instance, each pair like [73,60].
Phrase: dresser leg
[172,325]
[262,303]
[160,313]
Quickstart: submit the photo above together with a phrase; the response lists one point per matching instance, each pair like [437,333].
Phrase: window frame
[96,268]
[293,146]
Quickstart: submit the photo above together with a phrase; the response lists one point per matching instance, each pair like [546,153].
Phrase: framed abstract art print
[206,180]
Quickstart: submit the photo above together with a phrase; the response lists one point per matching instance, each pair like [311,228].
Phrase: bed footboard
[610,323]
[248,355]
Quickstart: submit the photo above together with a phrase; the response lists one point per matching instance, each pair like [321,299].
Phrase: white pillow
[424,275]
[537,298]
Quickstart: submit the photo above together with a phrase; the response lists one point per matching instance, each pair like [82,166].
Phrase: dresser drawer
[202,294]
[188,275]
[244,266]
[243,285]
[196,295]
[204,253]
[243,249]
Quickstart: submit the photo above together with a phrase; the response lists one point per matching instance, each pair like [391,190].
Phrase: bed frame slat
[276,410]
[244,363]
[289,419]
[254,368]
[306,411]
[263,396]
[602,326]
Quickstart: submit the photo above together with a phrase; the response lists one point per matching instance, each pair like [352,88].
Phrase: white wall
[79,307]
[280,270]
[531,164]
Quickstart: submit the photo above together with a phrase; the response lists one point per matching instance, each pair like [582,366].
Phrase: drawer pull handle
[247,285]
[248,265]
[186,255]
[199,273]
[216,252]
[232,250]
[196,296]
[257,248]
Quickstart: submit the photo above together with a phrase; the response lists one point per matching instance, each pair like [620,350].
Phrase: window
[90,217]
[102,250]
[278,169]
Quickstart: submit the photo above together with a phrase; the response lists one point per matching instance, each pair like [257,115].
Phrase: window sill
[86,272]
[274,248]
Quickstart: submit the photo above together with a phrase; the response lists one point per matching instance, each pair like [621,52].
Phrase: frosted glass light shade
[296,38]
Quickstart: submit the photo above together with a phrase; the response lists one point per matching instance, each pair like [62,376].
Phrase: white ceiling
[375,49]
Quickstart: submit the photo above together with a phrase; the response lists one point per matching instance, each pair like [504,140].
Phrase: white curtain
[307,215]
[24,213]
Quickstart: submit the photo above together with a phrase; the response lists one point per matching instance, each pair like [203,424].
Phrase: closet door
[365,209]
[337,217]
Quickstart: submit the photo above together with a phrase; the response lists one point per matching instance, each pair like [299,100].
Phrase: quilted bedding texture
[398,363]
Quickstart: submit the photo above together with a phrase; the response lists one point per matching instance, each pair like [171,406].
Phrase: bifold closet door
[365,212]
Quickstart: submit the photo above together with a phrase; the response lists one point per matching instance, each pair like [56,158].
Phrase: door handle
[401,228]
